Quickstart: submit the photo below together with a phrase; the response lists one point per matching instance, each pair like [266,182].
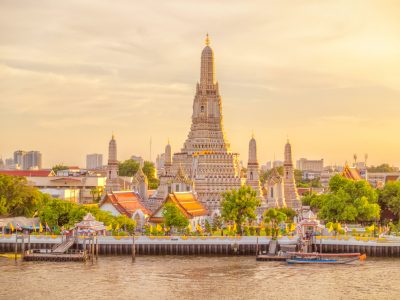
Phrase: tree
[173,217]
[17,198]
[128,167]
[216,222]
[150,171]
[59,167]
[347,201]
[389,197]
[383,168]
[239,206]
[274,217]
[289,212]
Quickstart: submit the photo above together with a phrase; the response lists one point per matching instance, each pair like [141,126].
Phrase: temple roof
[126,202]
[28,173]
[187,204]
[351,173]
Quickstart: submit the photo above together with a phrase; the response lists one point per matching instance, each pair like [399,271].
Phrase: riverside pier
[198,245]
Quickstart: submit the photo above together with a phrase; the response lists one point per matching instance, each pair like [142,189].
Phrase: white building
[316,165]
[94,161]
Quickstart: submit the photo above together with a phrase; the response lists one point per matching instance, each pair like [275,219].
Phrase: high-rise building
[316,165]
[112,183]
[94,161]
[19,158]
[138,159]
[32,160]
[206,156]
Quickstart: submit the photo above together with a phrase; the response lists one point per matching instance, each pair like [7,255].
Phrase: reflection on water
[190,277]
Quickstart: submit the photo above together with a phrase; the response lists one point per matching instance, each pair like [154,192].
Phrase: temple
[112,182]
[253,169]
[281,189]
[205,158]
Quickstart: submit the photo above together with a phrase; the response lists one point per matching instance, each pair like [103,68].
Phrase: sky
[325,74]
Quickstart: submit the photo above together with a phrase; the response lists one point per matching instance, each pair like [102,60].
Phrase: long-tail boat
[326,258]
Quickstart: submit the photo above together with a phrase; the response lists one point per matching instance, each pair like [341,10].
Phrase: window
[272,192]
[251,175]
[202,108]
[177,188]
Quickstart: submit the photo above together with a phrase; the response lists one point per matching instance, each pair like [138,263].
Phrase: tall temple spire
[112,183]
[207,74]
[290,191]
[253,169]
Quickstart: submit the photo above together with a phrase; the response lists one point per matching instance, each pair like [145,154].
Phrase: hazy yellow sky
[324,73]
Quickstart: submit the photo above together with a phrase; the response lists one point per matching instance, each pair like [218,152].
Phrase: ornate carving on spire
[207,40]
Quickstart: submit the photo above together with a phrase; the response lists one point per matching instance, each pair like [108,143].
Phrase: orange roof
[126,202]
[187,204]
[351,173]
[28,173]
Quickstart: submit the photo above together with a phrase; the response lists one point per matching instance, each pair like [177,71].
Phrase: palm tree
[274,217]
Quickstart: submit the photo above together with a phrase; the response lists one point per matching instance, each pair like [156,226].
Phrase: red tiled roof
[187,204]
[126,202]
[28,173]
[351,173]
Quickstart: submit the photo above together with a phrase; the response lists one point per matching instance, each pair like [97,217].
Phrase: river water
[192,277]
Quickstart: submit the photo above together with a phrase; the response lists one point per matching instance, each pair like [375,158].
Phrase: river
[193,277]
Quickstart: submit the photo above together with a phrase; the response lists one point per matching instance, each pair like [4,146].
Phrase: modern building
[94,161]
[19,158]
[316,165]
[206,156]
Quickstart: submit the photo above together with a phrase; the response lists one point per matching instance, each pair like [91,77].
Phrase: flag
[117,227]
[47,227]
[372,227]
[229,227]
[198,228]
[109,227]
[18,227]
[12,227]
[34,227]
[190,227]
[339,227]
[159,228]
[292,227]
[330,228]
[40,227]
[234,227]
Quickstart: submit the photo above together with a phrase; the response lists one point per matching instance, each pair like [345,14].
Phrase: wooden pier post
[257,247]
[133,248]
[16,246]
[92,249]
[97,247]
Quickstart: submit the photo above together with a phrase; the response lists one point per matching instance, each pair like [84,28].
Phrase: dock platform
[266,257]
[35,255]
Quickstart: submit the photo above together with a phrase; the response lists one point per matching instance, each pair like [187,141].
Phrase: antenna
[150,148]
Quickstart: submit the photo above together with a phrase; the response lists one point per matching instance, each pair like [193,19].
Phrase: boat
[326,258]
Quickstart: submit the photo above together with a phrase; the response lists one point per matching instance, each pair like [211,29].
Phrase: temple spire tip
[207,40]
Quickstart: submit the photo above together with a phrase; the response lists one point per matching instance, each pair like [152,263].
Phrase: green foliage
[58,213]
[173,217]
[59,167]
[208,227]
[217,222]
[128,167]
[289,212]
[150,171]
[389,197]
[383,168]
[273,217]
[264,175]
[17,198]
[239,206]
[347,201]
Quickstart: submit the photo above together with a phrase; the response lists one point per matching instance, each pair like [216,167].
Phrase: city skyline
[67,84]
